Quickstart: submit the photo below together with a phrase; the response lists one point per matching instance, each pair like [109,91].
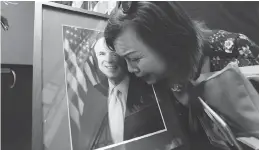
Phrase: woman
[158,40]
[161,43]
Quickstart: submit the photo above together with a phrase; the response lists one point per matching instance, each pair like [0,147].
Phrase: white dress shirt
[117,108]
[123,87]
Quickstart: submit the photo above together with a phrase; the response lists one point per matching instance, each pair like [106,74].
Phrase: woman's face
[140,58]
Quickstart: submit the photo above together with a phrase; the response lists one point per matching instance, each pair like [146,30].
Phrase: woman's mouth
[145,77]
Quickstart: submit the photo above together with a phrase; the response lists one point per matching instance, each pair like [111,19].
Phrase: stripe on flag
[72,83]
[71,58]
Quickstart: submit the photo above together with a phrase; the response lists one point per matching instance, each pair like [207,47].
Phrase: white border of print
[141,137]
[117,144]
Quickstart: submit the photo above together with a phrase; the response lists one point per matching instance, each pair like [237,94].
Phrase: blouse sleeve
[248,51]
[225,47]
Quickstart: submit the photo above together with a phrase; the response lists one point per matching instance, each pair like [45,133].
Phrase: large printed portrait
[107,105]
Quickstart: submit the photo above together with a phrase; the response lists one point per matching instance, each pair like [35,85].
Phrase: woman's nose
[131,68]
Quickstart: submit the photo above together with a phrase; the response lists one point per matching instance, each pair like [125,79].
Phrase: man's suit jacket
[142,115]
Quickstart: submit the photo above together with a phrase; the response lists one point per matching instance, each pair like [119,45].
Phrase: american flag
[79,65]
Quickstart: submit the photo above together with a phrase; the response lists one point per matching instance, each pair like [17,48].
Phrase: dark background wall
[16,108]
[240,16]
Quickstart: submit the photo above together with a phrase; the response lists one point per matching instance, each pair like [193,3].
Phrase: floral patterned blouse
[226,47]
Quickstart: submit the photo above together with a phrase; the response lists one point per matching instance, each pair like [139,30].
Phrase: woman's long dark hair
[167,29]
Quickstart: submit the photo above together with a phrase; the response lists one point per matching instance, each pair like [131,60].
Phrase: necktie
[116,116]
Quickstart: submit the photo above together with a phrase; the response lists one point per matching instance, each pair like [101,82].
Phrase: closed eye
[133,56]
[135,59]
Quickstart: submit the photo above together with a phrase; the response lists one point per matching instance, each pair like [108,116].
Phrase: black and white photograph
[129,75]
[132,111]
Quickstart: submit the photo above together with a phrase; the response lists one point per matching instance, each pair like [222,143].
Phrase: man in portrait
[132,110]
